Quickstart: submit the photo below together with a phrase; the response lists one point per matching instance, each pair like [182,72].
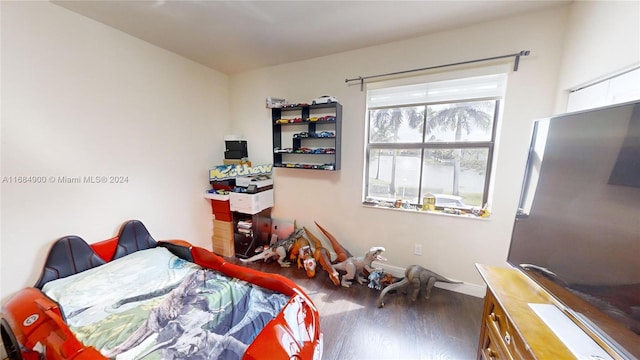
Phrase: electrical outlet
[417,249]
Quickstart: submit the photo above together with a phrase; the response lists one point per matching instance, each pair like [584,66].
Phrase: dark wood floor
[447,326]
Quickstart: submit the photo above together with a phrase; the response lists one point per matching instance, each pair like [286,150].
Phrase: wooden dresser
[510,328]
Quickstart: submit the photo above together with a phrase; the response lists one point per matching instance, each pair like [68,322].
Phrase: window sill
[429,212]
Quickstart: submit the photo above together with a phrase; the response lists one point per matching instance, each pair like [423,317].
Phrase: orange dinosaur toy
[301,250]
[322,257]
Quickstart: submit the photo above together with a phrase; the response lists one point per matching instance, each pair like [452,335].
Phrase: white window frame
[616,89]
[448,76]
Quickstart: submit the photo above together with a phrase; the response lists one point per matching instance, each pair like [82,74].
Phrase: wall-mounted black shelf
[307,137]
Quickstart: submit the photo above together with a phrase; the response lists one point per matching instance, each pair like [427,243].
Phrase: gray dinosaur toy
[355,266]
[416,279]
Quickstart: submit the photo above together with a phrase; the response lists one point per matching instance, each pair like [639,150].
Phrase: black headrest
[133,236]
[68,255]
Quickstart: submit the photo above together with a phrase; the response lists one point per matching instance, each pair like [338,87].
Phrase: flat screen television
[577,231]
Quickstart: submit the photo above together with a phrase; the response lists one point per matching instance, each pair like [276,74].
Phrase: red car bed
[130,297]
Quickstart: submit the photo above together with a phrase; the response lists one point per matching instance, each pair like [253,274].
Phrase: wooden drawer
[223,251]
[496,319]
[222,243]
[492,348]
[505,335]
[223,246]
[222,226]
[223,234]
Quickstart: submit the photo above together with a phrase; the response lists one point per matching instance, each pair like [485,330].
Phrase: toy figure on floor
[379,279]
[355,267]
[302,253]
[322,257]
[417,279]
[278,250]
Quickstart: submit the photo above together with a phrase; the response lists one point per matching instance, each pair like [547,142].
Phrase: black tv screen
[577,231]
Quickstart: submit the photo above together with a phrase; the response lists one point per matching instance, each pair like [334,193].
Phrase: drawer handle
[494,317]
[490,353]
[507,338]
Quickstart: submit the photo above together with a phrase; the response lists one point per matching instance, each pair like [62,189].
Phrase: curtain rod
[515,67]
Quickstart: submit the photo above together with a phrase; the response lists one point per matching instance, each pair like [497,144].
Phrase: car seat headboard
[133,237]
[68,255]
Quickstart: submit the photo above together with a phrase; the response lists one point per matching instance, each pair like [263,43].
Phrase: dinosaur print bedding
[154,305]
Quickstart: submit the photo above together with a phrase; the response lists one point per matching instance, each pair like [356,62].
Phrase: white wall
[82,99]
[451,245]
[602,39]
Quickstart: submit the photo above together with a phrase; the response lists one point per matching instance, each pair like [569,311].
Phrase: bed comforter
[154,305]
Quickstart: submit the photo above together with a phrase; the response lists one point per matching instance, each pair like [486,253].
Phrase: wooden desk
[510,328]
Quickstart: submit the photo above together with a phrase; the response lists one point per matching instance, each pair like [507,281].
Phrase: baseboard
[464,288]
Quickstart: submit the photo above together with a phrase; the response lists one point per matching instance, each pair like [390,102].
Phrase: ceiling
[236,36]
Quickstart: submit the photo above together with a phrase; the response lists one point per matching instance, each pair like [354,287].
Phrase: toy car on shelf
[289,121]
[301,135]
[325,134]
[327,118]
[294,105]
[325,99]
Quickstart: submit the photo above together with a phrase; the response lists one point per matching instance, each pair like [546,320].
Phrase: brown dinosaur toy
[342,254]
[322,257]
[354,267]
[301,251]
[416,279]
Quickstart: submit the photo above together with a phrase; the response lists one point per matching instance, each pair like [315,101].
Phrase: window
[435,137]
[616,89]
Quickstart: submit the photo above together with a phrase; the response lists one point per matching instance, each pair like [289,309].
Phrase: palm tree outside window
[433,137]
